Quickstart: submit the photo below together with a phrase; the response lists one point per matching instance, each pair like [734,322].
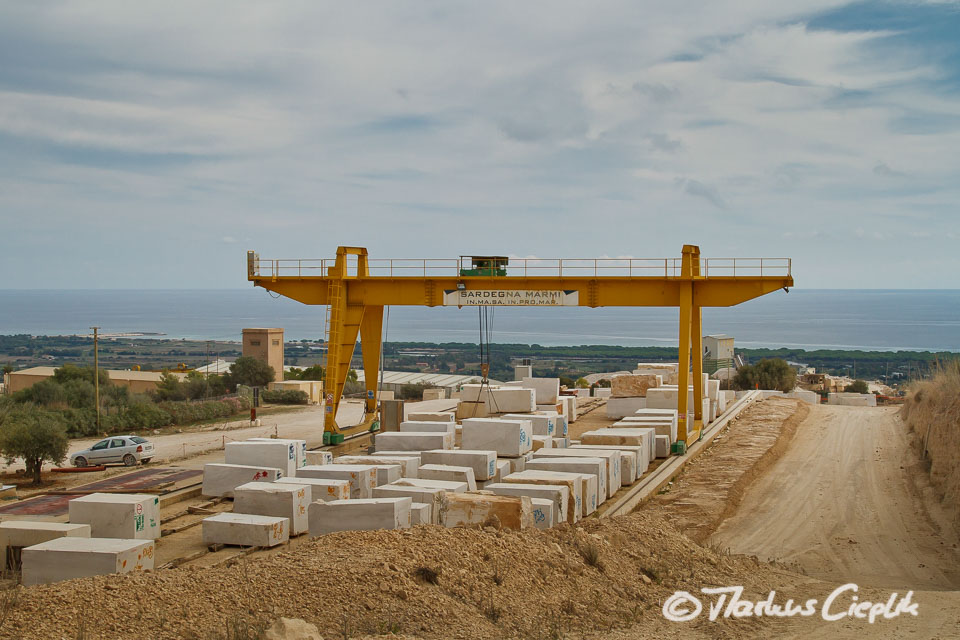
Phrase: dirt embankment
[712,486]
[932,412]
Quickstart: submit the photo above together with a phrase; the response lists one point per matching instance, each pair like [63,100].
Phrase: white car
[127,450]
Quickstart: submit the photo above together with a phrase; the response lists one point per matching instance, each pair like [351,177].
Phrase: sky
[150,145]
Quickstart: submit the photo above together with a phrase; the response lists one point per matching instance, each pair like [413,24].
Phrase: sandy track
[848,503]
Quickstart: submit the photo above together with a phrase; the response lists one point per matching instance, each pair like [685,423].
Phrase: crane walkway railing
[525,267]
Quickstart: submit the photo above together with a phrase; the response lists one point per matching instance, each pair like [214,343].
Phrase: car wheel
[145,461]
[129,460]
[80,462]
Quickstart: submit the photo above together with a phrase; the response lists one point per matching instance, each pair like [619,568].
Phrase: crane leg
[371,342]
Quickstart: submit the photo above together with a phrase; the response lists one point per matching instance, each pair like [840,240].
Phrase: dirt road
[848,502]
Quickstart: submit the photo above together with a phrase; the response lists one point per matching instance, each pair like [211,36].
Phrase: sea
[864,319]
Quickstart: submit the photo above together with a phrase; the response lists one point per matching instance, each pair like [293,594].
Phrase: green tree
[36,436]
[251,372]
[857,386]
[352,375]
[773,374]
[8,368]
[170,387]
[582,383]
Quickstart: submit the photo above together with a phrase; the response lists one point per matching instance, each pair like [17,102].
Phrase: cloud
[422,132]
[881,169]
[700,190]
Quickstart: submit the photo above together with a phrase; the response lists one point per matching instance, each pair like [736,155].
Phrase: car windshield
[138,440]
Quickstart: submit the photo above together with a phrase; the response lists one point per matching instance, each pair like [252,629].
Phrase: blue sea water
[927,320]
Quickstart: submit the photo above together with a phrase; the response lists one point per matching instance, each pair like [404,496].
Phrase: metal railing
[526,267]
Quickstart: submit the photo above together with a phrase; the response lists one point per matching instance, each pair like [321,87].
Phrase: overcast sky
[149,145]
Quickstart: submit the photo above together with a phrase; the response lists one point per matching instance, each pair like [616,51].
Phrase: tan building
[265,345]
[717,353]
[136,381]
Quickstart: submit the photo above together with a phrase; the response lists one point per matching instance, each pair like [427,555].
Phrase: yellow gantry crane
[355,290]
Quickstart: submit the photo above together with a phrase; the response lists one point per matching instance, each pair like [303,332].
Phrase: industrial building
[395,380]
[135,381]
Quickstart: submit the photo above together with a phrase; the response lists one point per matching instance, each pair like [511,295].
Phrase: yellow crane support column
[691,344]
[346,320]
[371,342]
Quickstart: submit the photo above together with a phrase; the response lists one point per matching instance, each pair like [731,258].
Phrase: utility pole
[96,373]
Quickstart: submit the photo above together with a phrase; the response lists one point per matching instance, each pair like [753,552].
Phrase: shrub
[285,396]
[143,415]
[857,386]
[46,393]
[774,374]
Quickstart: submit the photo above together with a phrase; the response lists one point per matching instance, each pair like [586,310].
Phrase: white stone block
[275,499]
[421,513]
[433,496]
[640,437]
[319,457]
[300,447]
[397,454]
[550,408]
[558,494]
[325,489]
[620,407]
[268,453]
[713,390]
[219,480]
[450,486]
[511,400]
[363,514]
[596,467]
[569,404]
[483,462]
[633,385]
[521,371]
[563,427]
[387,472]
[471,509]
[612,464]
[413,441]
[131,516]
[504,468]
[541,442]
[425,426]
[664,425]
[408,464]
[662,446]
[362,477]
[245,530]
[541,425]
[572,481]
[806,396]
[434,394]
[448,472]
[543,512]
[641,459]
[586,494]
[547,390]
[430,416]
[602,392]
[506,437]
[516,463]
[475,392]
[26,533]
[77,557]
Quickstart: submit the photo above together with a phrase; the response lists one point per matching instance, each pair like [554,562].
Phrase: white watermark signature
[843,602]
